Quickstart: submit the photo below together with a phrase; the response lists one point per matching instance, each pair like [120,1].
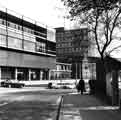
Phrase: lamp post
[76,73]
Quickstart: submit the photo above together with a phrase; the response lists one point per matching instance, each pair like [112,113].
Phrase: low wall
[44,83]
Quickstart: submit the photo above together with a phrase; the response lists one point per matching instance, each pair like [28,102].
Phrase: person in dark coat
[92,86]
[81,86]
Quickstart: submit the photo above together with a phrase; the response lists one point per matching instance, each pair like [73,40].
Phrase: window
[85,37]
[35,74]
[11,24]
[29,46]
[76,49]
[85,31]
[4,22]
[26,38]
[19,27]
[15,34]
[18,35]
[14,43]
[8,24]
[41,47]
[58,51]
[0,21]
[25,29]
[72,49]
[32,31]
[15,26]
[22,74]
[29,38]
[80,37]
[3,31]
[3,40]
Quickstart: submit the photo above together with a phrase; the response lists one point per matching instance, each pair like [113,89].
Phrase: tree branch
[113,25]
[95,30]
[109,52]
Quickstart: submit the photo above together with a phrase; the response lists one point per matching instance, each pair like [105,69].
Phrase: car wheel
[50,85]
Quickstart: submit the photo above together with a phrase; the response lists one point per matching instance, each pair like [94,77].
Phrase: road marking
[58,100]
[5,103]
[19,98]
[16,99]
[100,108]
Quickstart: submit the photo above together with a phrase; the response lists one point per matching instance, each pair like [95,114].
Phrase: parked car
[50,85]
[64,85]
[12,84]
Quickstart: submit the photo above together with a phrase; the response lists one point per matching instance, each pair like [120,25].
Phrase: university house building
[27,48]
[73,47]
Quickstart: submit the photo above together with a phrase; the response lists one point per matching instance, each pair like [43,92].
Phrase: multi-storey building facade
[71,42]
[27,48]
[72,47]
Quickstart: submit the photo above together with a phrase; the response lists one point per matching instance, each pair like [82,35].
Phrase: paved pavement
[87,107]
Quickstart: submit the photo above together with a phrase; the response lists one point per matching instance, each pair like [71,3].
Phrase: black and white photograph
[60,59]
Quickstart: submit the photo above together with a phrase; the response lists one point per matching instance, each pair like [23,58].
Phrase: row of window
[76,32]
[16,26]
[20,28]
[63,67]
[41,47]
[72,38]
[17,34]
[16,43]
[55,75]
[71,34]
[70,44]
[71,50]
[23,74]
[60,34]
[66,44]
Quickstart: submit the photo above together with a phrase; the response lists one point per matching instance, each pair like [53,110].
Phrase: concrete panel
[9,58]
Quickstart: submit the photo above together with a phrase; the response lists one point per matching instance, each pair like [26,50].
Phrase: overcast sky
[49,12]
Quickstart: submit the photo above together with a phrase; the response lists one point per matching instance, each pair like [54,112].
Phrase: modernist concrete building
[73,46]
[27,48]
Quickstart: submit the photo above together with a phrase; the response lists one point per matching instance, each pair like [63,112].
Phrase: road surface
[30,105]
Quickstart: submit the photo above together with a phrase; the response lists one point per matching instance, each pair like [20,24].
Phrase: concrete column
[0,73]
[41,74]
[76,67]
[29,74]
[81,68]
[49,74]
[16,73]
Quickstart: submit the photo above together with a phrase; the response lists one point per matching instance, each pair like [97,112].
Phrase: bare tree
[103,18]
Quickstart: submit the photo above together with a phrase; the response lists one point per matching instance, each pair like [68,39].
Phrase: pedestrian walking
[81,86]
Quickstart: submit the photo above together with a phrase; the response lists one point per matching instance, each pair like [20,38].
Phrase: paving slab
[87,107]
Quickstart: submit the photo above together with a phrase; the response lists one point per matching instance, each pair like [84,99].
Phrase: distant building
[62,72]
[27,48]
[72,46]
